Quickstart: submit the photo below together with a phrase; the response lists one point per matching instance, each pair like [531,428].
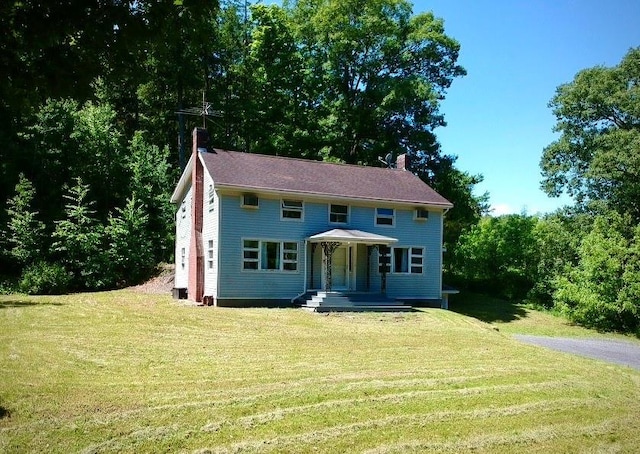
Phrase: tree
[499,255]
[376,74]
[597,157]
[151,183]
[79,240]
[558,237]
[130,255]
[26,231]
[603,290]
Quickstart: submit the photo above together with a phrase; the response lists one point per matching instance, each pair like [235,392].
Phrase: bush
[43,278]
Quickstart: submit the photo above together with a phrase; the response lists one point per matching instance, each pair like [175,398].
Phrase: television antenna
[206,112]
[387,161]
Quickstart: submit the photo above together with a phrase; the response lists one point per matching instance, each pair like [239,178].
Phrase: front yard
[130,372]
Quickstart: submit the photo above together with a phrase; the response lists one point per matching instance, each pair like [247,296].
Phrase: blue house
[266,230]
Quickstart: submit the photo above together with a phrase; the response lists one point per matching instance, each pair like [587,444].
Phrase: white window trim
[384,216]
[210,254]
[348,214]
[282,210]
[282,256]
[251,207]
[410,255]
[212,198]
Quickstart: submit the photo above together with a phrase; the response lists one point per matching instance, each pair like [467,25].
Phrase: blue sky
[516,54]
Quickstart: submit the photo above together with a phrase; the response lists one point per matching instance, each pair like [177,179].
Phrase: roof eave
[183,183]
[309,194]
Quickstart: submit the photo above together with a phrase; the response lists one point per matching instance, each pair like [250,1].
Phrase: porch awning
[351,236]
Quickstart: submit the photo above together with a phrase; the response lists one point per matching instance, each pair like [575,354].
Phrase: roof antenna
[206,112]
[387,161]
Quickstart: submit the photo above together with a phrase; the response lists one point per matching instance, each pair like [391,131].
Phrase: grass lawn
[131,372]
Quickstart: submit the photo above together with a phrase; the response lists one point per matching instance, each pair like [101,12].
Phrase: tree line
[88,139]
[584,260]
[88,124]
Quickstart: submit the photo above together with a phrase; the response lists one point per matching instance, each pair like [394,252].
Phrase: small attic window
[420,214]
[250,201]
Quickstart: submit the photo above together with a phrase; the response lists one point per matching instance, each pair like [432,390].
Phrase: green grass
[127,372]
[513,317]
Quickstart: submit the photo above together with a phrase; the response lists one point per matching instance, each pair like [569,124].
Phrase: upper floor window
[292,209]
[183,208]
[338,214]
[420,214]
[385,216]
[250,201]
[211,197]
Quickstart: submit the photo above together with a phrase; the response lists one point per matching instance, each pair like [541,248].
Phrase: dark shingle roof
[273,173]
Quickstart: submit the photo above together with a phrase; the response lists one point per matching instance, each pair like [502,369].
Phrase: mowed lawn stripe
[125,372]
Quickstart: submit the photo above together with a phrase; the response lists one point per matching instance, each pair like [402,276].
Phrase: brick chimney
[195,287]
[403,162]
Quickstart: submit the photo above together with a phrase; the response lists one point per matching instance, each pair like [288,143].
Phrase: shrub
[43,278]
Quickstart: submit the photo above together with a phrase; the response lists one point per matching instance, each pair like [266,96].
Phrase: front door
[340,269]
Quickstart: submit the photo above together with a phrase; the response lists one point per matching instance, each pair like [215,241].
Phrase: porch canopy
[330,240]
[351,236]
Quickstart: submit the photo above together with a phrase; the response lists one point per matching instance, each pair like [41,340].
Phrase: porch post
[313,251]
[385,260]
[328,247]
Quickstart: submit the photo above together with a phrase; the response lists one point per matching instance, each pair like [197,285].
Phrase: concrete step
[352,301]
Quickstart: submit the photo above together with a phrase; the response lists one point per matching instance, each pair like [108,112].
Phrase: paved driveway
[619,352]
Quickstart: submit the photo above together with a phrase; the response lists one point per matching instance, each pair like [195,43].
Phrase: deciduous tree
[597,157]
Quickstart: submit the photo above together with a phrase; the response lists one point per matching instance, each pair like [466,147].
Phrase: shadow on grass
[23,303]
[4,413]
[486,308]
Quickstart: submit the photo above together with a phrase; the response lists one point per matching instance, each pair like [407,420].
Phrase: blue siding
[237,223]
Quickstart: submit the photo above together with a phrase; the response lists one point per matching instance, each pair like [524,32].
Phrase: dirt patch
[161,282]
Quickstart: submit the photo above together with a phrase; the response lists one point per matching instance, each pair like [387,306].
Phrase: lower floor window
[403,260]
[210,254]
[270,255]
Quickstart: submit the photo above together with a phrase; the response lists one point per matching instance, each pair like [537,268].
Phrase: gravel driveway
[619,352]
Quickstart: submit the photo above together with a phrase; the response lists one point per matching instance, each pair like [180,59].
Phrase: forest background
[89,153]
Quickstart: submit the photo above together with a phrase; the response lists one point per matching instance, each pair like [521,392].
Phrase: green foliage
[499,255]
[376,74]
[151,182]
[26,232]
[597,156]
[129,253]
[343,81]
[79,240]
[43,278]
[602,290]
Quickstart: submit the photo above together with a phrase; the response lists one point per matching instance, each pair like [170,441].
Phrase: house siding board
[411,233]
[237,224]
[210,233]
[183,238]
[265,223]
